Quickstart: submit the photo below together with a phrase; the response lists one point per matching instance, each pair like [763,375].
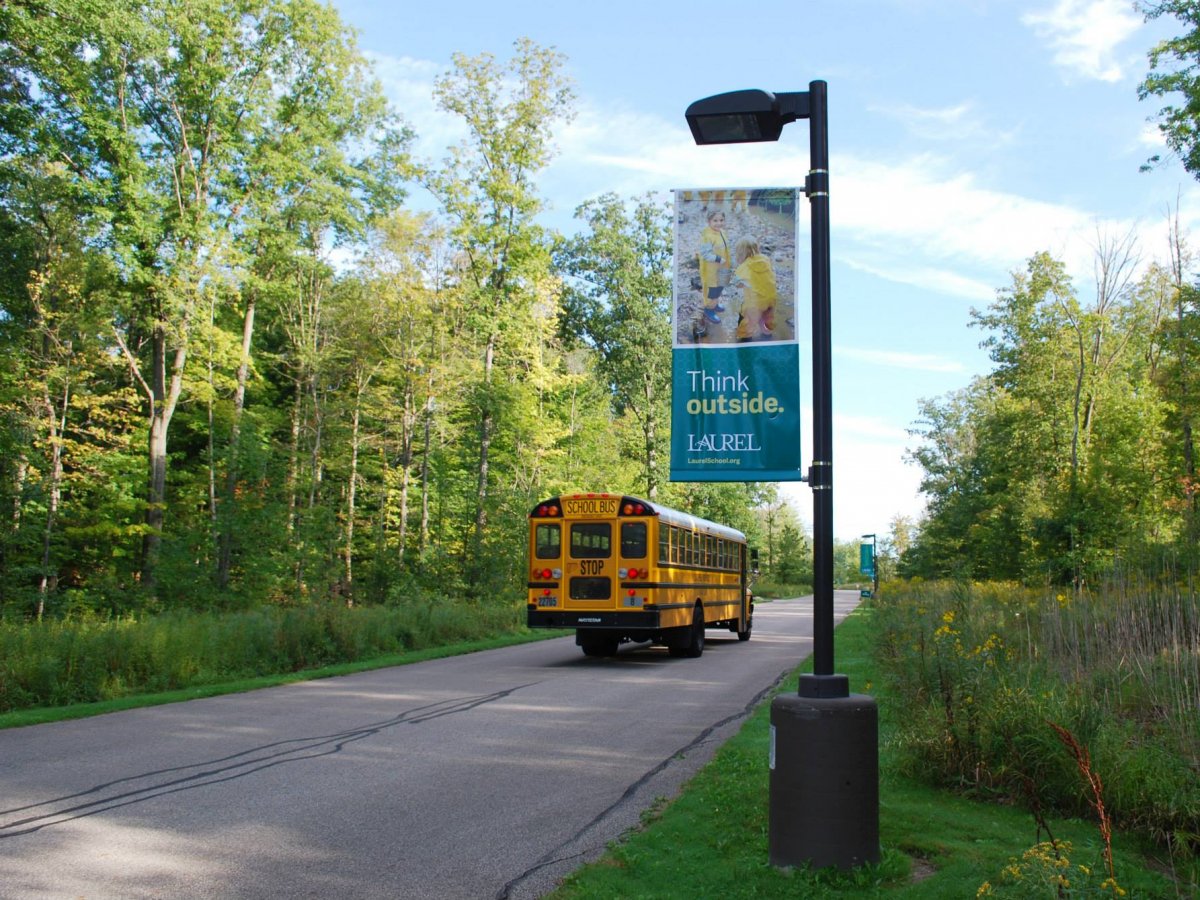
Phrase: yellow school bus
[618,568]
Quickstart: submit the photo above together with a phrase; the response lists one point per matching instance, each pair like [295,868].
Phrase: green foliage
[616,306]
[1174,71]
[980,674]
[200,411]
[1065,457]
[90,659]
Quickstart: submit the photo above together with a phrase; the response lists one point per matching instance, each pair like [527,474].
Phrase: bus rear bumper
[621,621]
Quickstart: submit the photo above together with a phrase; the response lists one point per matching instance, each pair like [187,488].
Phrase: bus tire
[695,644]
[745,635]
[599,646]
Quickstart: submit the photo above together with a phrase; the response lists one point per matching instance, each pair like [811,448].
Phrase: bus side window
[548,541]
[664,544]
[633,540]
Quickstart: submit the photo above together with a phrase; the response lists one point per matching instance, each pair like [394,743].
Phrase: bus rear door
[591,566]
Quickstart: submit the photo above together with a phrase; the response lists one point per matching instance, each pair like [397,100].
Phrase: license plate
[547,601]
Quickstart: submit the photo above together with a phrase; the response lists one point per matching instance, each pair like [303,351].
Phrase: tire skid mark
[163,782]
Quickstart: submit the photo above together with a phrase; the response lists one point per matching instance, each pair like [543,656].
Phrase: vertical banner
[735,359]
[866,559]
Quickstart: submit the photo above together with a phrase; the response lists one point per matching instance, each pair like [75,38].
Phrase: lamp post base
[824,784]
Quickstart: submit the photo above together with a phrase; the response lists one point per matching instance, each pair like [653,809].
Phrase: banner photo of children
[735,266]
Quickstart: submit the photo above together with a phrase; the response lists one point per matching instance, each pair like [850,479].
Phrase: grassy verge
[84,660]
[712,840]
[41,715]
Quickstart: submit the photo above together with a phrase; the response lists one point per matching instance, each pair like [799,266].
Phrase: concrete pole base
[824,792]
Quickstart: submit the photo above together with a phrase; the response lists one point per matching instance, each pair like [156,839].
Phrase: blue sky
[965,136]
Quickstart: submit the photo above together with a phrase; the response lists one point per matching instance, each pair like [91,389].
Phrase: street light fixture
[824,807]
[741,117]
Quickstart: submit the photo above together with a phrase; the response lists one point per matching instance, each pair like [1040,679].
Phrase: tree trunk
[57,426]
[485,442]
[649,431]
[351,496]
[406,459]
[424,542]
[225,549]
[19,476]
[293,476]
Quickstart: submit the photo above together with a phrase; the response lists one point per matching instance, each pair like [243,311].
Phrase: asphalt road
[480,776]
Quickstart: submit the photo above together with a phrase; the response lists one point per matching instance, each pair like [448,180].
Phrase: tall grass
[80,661]
[988,677]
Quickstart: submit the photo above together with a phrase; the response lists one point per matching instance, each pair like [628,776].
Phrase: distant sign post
[866,561]
[824,760]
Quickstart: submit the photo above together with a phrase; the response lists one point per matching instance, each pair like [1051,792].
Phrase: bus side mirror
[754,561]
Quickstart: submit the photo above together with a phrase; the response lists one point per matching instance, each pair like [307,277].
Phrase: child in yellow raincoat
[715,264]
[756,277]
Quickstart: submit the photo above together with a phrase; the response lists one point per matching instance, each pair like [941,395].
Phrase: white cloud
[928,278]
[1085,35]
[921,362]
[960,122]
[917,220]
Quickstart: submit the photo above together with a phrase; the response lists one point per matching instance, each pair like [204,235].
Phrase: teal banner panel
[735,413]
[866,559]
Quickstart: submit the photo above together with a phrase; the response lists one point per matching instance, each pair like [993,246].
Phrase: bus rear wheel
[745,635]
[599,646]
[694,647]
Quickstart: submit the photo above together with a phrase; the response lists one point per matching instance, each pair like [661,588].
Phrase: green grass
[87,660]
[712,840]
[41,715]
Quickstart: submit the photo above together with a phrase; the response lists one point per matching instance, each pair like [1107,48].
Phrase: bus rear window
[588,588]
[548,541]
[591,540]
[633,540]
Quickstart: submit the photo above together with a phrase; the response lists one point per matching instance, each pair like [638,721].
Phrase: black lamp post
[825,740]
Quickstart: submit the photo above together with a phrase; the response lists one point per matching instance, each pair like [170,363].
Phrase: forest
[239,367]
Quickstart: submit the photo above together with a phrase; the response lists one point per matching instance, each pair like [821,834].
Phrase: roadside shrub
[56,663]
[982,675]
